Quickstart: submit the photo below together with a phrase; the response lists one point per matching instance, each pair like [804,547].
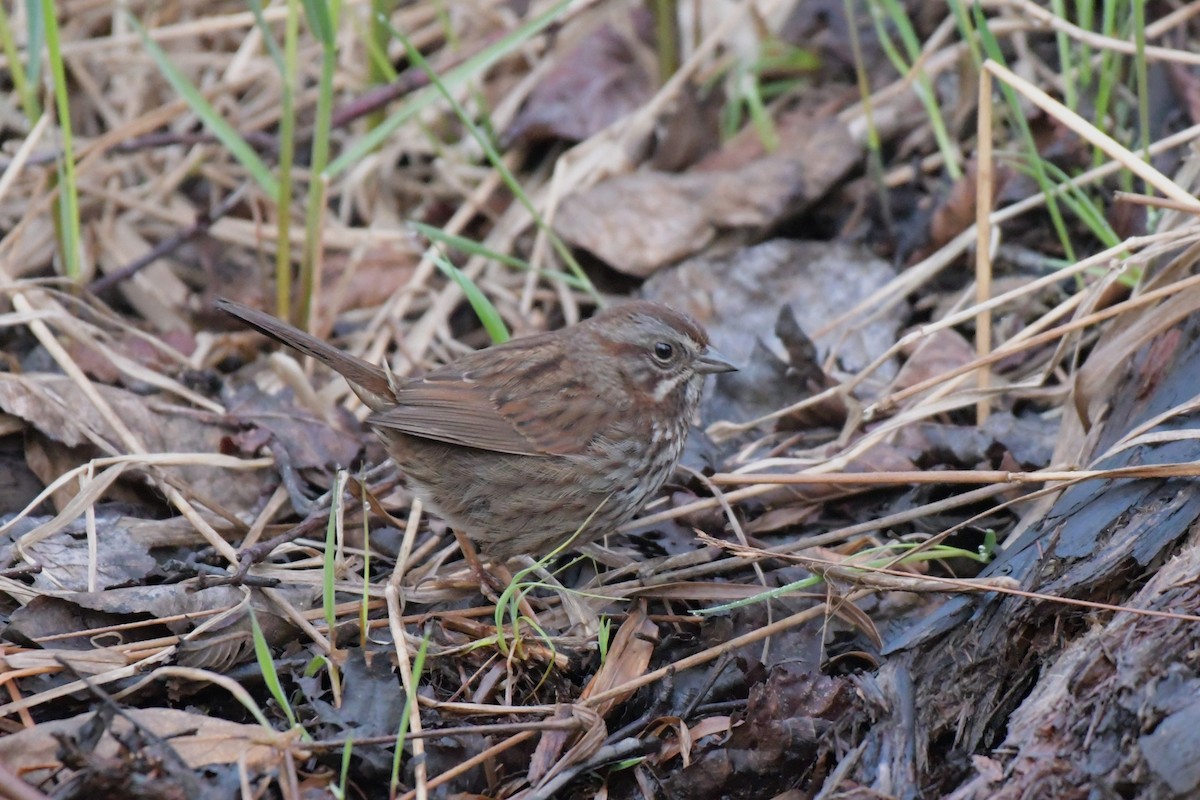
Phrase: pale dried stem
[400,642]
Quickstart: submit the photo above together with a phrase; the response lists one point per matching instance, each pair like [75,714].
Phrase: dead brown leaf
[628,657]
[58,409]
[601,79]
[641,222]
[936,354]
[956,210]
[637,223]
[199,739]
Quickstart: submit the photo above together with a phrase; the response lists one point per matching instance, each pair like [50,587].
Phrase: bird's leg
[489,580]
[486,579]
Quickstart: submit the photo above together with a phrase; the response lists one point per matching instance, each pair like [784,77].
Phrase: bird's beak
[710,361]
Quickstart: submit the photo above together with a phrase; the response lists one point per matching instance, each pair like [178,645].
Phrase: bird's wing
[530,406]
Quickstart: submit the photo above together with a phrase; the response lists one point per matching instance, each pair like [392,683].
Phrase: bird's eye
[663,351]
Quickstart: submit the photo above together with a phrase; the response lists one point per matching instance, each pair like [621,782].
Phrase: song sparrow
[521,445]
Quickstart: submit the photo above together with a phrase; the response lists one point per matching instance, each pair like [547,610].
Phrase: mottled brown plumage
[518,445]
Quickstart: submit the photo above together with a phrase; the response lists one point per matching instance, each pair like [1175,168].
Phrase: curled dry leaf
[181,605]
[549,747]
[637,223]
[66,560]
[59,409]
[601,79]
[804,368]
[737,297]
[85,662]
[308,440]
[937,354]
[587,743]
[785,720]
[741,295]
[628,657]
[956,209]
[641,222]
[198,739]
[690,734]
[370,704]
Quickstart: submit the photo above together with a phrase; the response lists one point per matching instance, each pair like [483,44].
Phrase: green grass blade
[418,669]
[466,245]
[493,323]
[317,664]
[883,11]
[226,135]
[266,665]
[287,155]
[286,64]
[268,38]
[471,247]
[1108,79]
[1085,17]
[16,70]
[68,226]
[322,19]
[421,100]
[365,598]
[379,67]
[889,555]
[35,37]
[1141,76]
[666,37]
[344,779]
[1091,214]
[329,562]
[1066,67]
[966,31]
[604,637]
[497,162]
[759,116]
[733,114]
[992,49]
